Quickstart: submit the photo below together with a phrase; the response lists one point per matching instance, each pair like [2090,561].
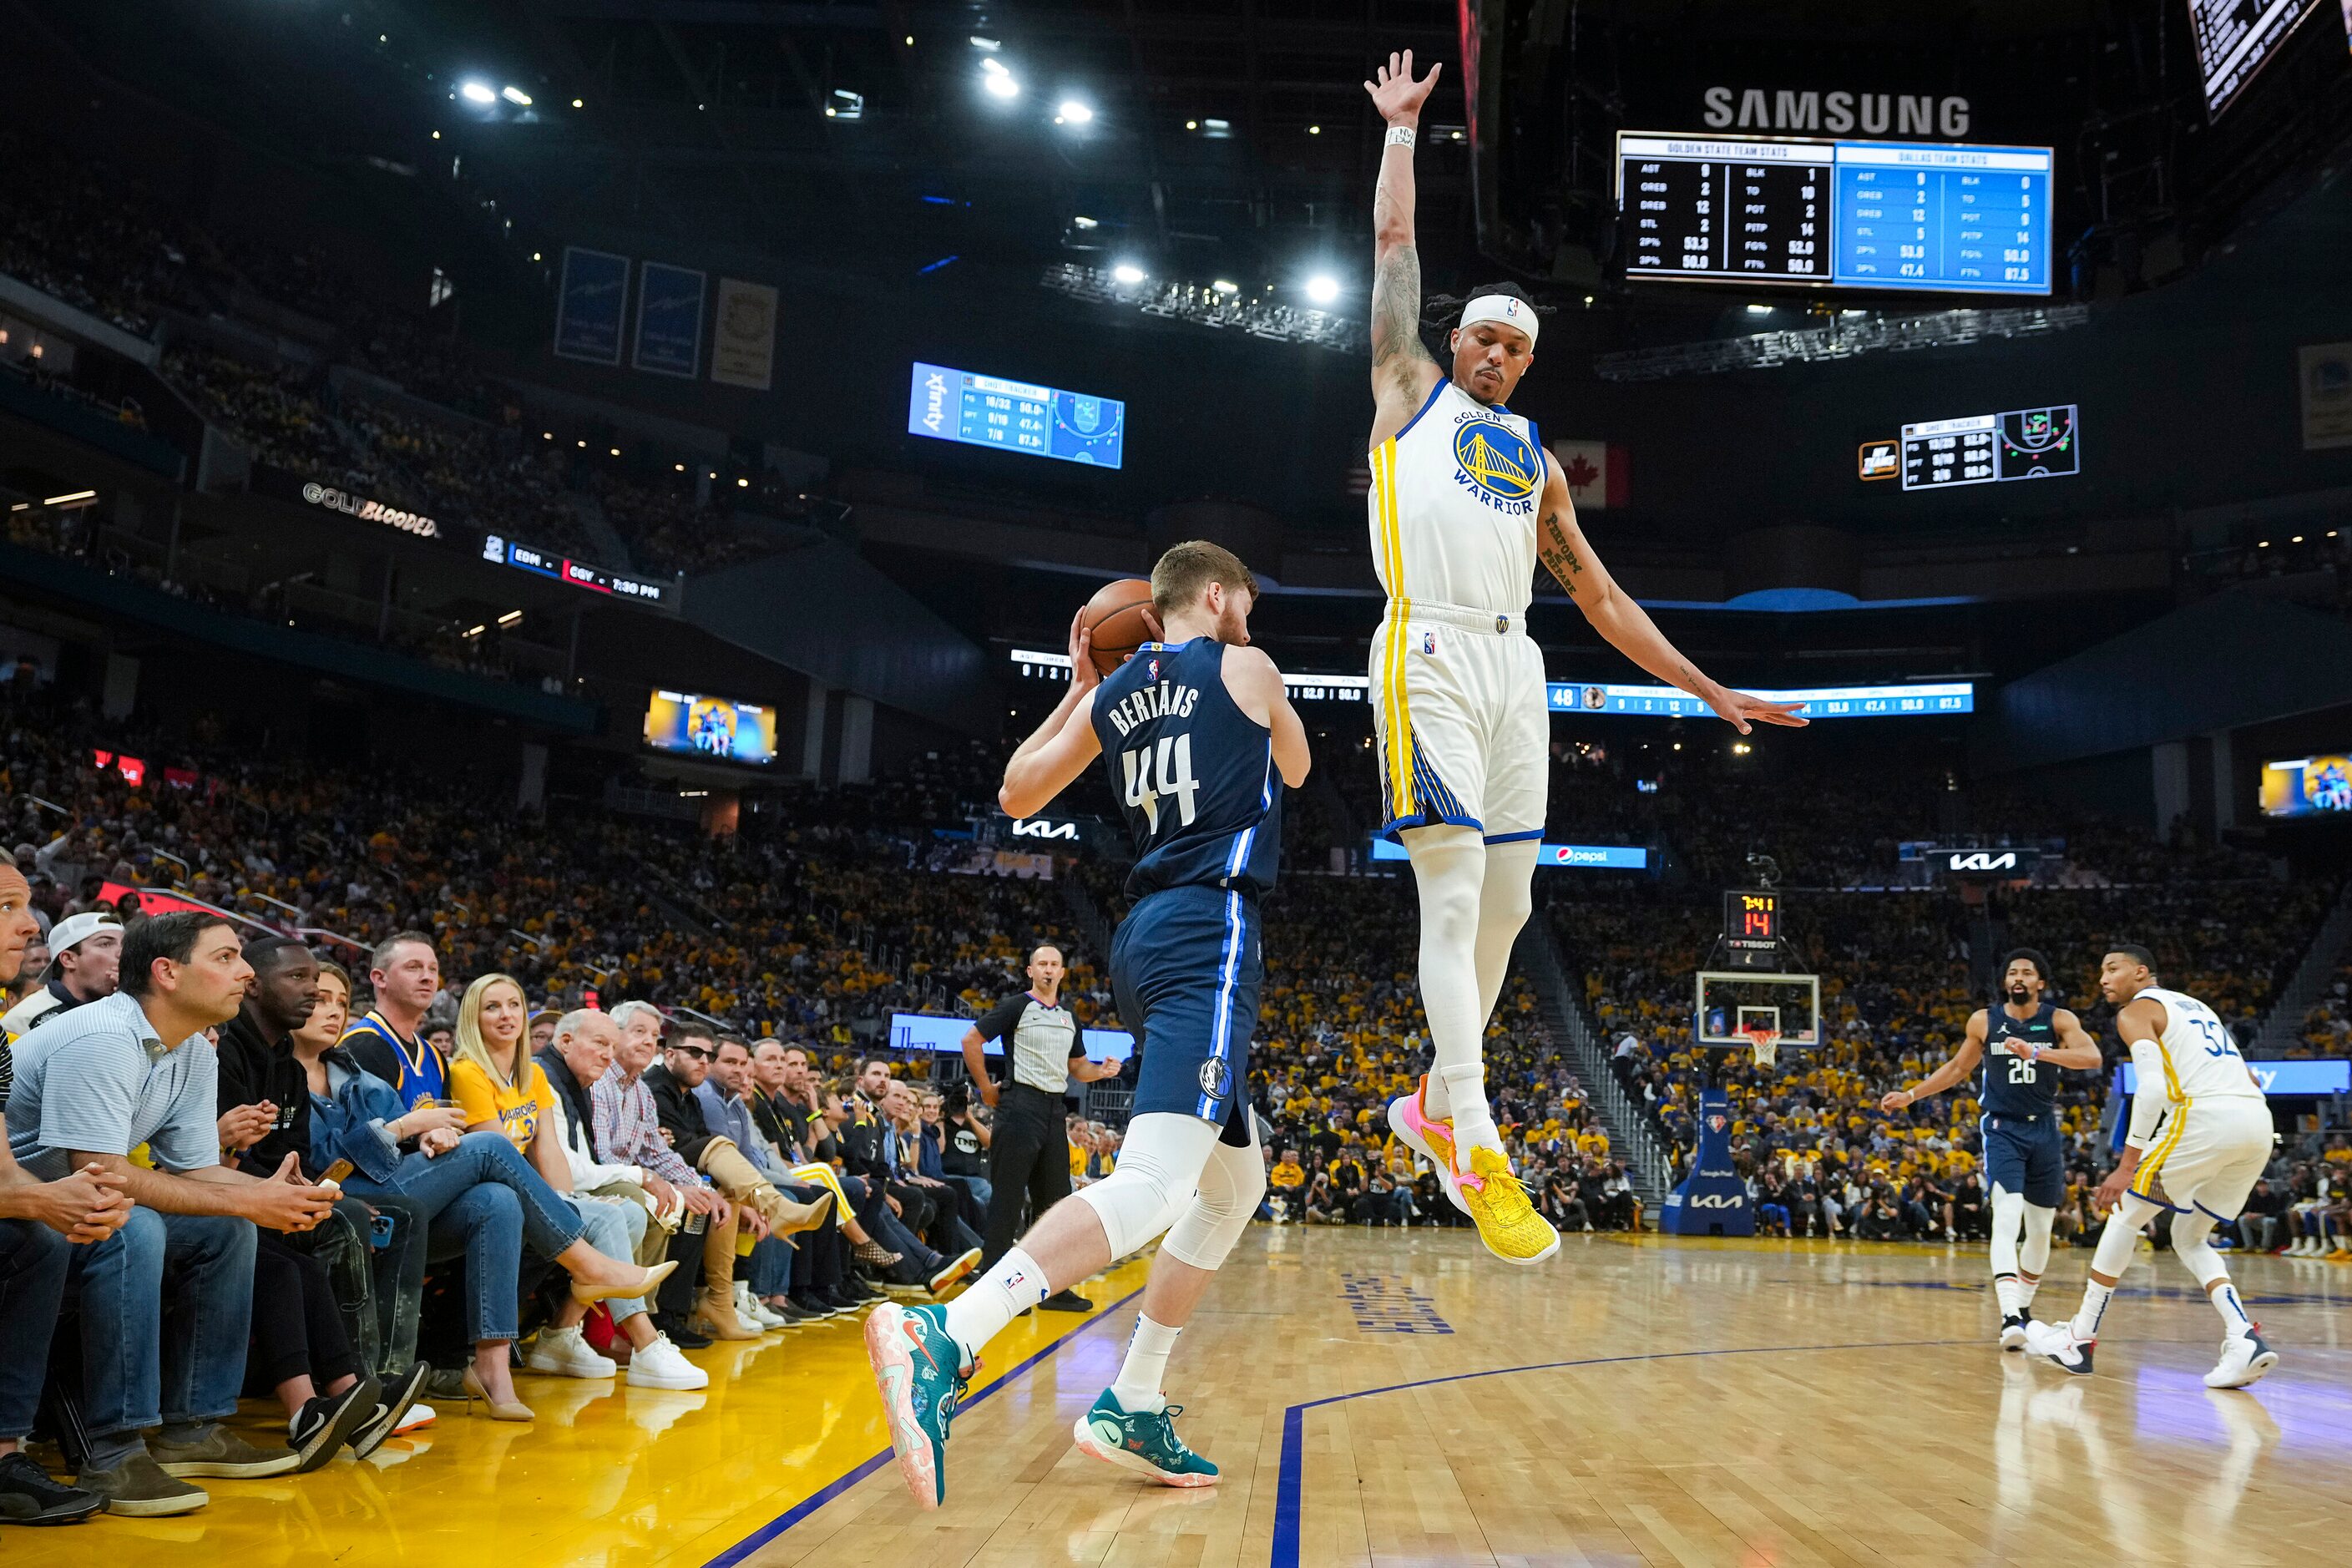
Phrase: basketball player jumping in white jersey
[2200,1134]
[1464,504]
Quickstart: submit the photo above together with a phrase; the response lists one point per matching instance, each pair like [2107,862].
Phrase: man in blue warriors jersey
[2015,1049]
[1199,740]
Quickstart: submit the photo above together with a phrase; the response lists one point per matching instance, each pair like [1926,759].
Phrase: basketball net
[1764,1045]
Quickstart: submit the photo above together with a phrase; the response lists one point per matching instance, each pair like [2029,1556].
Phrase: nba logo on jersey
[1155,670]
[1429,642]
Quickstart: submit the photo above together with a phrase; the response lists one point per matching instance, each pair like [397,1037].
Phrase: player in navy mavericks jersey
[2019,1046]
[1199,740]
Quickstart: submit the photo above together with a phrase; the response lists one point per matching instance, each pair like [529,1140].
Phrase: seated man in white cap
[85,962]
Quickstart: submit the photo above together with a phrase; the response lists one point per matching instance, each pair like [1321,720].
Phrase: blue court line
[1293,1422]
[834,1489]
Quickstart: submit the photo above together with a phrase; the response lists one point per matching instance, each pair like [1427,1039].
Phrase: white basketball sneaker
[2057,1341]
[2244,1359]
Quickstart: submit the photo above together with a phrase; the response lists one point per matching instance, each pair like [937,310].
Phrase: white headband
[1502,309]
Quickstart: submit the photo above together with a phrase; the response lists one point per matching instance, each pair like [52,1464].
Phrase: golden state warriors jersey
[1454,502]
[2201,1061]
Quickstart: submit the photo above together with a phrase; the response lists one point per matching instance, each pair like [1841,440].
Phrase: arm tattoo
[1557,555]
[1396,309]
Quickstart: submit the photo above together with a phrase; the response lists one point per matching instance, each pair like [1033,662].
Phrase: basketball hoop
[1763,1045]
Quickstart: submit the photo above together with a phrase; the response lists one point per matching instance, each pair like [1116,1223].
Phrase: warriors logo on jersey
[1497,465]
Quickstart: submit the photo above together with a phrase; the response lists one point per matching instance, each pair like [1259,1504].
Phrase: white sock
[980,1314]
[2232,1310]
[1140,1375]
[1448,866]
[2095,1298]
[2005,1291]
[2027,1284]
[1474,1123]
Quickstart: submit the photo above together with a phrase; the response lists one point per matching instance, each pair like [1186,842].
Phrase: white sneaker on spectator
[755,1311]
[418,1416]
[660,1365]
[564,1354]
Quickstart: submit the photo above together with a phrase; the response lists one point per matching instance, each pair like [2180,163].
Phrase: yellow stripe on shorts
[2144,1179]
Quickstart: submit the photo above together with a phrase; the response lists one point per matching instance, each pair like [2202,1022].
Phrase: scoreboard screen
[1986,449]
[1015,417]
[2235,38]
[1807,212]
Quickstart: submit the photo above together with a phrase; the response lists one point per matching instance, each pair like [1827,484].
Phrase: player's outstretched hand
[2110,1193]
[1895,1100]
[1395,94]
[1084,676]
[1743,712]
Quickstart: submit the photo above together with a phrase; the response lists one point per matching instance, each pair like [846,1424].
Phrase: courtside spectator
[405,974]
[629,1132]
[41,1223]
[85,966]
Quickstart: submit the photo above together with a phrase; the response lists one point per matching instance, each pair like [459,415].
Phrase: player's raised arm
[1562,548]
[1402,372]
[1058,751]
[1963,1062]
[1258,690]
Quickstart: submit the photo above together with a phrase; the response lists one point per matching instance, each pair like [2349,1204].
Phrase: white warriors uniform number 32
[2209,1136]
[1457,683]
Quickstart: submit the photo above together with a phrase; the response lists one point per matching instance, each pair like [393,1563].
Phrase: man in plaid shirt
[628,1133]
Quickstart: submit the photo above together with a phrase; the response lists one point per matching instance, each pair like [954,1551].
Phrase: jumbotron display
[710,727]
[1807,212]
[2235,38]
[1992,448]
[1015,417]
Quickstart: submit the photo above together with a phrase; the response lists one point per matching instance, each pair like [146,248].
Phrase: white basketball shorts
[1462,728]
[2206,1154]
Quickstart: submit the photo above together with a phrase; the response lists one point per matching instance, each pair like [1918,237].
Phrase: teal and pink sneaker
[1145,1443]
[918,1369]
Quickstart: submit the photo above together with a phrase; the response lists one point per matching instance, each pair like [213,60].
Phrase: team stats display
[1015,417]
[1800,211]
[1988,448]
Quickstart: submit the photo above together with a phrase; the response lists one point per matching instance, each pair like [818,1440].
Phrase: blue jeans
[33,1260]
[613,1230]
[483,1202]
[141,1367]
[769,1269]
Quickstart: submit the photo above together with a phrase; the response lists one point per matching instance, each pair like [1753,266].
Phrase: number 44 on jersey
[1172,779]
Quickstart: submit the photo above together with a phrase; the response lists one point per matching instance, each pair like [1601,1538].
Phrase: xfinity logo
[1874,113]
[1039,827]
[1984,860]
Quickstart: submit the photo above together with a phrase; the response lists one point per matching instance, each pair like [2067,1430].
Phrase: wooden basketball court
[1377,1396]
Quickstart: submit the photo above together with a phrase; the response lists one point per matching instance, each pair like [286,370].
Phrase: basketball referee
[1029,1155]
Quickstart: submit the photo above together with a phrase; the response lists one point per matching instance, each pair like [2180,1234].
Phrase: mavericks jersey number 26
[1193,775]
[2012,1085]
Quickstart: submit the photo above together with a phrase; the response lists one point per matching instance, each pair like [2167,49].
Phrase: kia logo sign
[1040,827]
[1717,1201]
[371,511]
[1982,862]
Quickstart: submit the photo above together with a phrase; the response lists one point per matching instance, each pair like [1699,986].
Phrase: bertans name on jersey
[1170,699]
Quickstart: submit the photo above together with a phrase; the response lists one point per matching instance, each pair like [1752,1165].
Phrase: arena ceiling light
[477,92]
[1226,286]
[1073,112]
[1220,304]
[999,82]
[1322,289]
[515,95]
[1129,272]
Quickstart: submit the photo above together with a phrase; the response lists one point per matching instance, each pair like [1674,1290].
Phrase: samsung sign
[1871,113]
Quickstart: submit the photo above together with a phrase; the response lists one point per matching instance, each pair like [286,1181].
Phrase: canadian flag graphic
[1595,472]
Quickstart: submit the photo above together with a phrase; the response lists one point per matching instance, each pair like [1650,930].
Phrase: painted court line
[834,1489]
[1294,1419]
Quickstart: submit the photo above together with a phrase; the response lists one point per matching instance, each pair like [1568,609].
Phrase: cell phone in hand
[380,1231]
[339,1173]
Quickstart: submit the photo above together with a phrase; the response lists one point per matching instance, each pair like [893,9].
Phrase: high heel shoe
[588,1295]
[506,1410]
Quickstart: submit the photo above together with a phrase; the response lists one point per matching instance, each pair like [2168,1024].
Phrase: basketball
[1118,620]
